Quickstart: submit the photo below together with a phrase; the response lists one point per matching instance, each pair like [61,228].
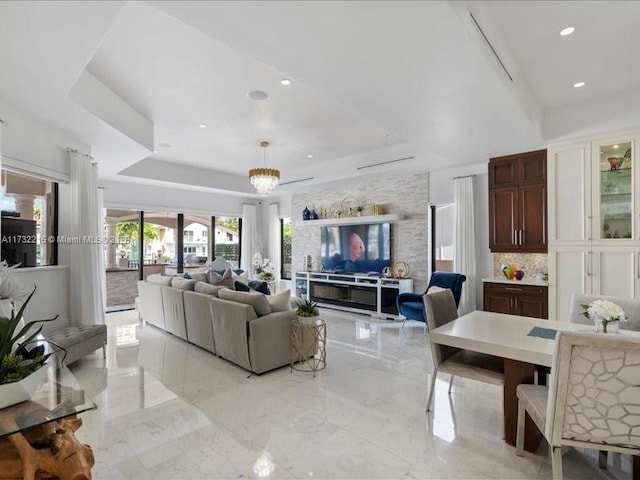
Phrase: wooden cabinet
[518,203]
[515,299]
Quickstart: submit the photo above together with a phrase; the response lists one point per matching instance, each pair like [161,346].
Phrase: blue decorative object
[547,333]
[306,214]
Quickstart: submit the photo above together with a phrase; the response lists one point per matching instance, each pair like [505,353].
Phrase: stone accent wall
[122,287]
[406,195]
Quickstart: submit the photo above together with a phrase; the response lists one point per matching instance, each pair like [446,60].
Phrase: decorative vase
[607,327]
[313,215]
[306,214]
[16,392]
[308,320]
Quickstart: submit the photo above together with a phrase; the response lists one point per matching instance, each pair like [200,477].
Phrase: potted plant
[21,371]
[307,311]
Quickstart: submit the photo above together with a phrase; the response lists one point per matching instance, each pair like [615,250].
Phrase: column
[24,205]
[111,261]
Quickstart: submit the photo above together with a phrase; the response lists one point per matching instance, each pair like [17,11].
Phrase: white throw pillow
[280,302]
[242,278]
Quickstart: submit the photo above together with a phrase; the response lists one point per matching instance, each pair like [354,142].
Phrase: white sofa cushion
[257,300]
[160,279]
[208,289]
[225,280]
[183,283]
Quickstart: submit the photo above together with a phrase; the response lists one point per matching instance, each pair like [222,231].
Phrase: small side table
[308,345]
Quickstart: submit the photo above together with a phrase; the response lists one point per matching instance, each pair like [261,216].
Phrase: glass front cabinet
[615,192]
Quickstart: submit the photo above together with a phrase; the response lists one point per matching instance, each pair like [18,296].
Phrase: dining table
[526,344]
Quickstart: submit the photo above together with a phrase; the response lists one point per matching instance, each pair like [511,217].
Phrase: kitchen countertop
[524,281]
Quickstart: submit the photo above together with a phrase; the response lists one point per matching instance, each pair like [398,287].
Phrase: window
[188,235]
[189,249]
[285,242]
[205,234]
[29,220]
[227,239]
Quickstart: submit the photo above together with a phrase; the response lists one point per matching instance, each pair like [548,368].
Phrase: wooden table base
[46,452]
[515,373]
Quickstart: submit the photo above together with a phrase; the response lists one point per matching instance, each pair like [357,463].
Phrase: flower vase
[607,327]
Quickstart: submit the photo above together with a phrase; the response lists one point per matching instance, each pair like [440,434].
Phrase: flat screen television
[362,248]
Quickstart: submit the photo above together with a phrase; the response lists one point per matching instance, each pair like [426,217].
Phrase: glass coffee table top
[58,397]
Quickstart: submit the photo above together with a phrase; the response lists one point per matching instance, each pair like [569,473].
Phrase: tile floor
[170,410]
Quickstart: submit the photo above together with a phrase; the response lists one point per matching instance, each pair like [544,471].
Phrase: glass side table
[308,343]
[38,434]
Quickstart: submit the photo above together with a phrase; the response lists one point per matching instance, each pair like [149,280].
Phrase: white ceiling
[372,82]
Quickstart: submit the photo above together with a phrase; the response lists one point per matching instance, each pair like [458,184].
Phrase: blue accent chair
[411,306]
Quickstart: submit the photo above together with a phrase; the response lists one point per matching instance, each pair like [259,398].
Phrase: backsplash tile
[531,263]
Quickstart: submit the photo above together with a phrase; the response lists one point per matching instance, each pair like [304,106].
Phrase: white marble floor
[170,410]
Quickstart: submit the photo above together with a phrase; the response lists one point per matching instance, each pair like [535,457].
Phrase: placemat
[548,333]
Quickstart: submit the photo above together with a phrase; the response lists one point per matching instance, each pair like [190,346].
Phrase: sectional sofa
[247,328]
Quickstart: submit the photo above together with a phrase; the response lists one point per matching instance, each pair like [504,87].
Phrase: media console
[360,293]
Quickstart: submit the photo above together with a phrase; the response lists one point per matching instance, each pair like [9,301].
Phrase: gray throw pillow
[225,280]
[257,300]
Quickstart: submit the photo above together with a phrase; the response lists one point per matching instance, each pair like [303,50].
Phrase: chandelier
[262,178]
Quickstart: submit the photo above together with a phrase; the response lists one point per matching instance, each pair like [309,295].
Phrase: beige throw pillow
[256,299]
[280,302]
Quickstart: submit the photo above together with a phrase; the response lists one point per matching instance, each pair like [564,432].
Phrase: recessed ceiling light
[616,146]
[579,85]
[258,95]
[567,31]
[388,135]
[203,125]
[155,151]
[285,81]
[309,155]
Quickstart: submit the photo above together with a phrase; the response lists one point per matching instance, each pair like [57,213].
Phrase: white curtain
[86,262]
[251,243]
[103,270]
[273,228]
[465,243]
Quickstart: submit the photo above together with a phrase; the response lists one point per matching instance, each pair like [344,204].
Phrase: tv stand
[359,292]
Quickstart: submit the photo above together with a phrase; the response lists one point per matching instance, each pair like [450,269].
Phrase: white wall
[442,191]
[52,294]
[36,148]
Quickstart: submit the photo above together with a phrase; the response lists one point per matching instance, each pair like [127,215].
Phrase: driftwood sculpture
[46,452]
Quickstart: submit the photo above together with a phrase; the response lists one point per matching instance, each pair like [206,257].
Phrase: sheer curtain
[251,243]
[85,224]
[465,243]
[273,229]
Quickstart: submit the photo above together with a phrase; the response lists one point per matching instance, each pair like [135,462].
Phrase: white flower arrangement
[263,268]
[604,312]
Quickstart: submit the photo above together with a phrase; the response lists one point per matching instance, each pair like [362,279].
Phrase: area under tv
[359,292]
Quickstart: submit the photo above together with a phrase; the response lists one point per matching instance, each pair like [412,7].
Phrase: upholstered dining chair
[630,306]
[593,398]
[441,309]
[410,305]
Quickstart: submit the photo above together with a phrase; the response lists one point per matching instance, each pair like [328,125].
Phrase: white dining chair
[441,309]
[593,400]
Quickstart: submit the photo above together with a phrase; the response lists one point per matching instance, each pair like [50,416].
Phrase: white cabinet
[613,271]
[594,220]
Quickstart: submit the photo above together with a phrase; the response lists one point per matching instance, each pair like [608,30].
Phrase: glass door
[615,186]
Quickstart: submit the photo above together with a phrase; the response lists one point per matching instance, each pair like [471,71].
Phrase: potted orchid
[605,314]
